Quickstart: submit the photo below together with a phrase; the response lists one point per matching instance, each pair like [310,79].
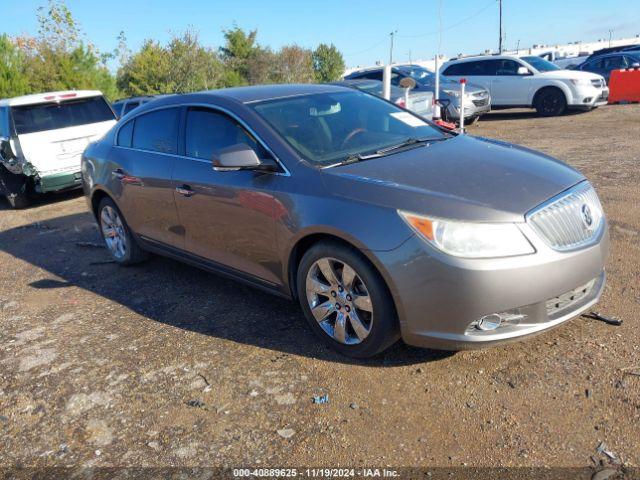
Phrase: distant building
[562,54]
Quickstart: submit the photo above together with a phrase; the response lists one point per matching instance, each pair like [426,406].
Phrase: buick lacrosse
[380,224]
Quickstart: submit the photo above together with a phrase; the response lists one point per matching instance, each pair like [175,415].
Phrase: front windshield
[325,128]
[541,64]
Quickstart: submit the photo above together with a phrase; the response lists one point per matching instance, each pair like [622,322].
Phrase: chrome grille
[568,299]
[481,103]
[571,220]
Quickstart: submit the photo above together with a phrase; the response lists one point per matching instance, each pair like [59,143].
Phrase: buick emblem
[587,218]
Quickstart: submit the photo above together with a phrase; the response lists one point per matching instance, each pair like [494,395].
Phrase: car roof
[48,97]
[260,93]
[485,57]
[141,97]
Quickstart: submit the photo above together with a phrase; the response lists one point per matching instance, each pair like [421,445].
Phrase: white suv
[42,137]
[531,82]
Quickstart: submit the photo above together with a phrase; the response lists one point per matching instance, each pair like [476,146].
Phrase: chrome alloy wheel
[113,232]
[339,301]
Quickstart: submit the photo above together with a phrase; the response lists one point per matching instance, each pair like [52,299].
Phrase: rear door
[227,216]
[478,72]
[141,166]
[53,135]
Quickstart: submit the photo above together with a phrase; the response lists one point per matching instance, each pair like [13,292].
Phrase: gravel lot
[163,364]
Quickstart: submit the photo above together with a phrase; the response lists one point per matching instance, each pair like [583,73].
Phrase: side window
[507,67]
[208,131]
[455,69]
[594,65]
[4,123]
[614,63]
[157,131]
[125,134]
[129,106]
[375,75]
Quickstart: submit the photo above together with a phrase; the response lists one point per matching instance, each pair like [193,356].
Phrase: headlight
[452,93]
[470,240]
[581,81]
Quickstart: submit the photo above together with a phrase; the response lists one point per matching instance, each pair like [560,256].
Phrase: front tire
[550,102]
[117,236]
[345,300]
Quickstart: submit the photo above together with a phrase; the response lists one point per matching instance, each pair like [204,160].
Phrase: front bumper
[471,109]
[438,297]
[588,98]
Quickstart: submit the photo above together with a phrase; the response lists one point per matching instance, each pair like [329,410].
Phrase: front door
[227,216]
[508,87]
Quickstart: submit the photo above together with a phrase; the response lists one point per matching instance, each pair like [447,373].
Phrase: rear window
[53,116]
[130,106]
[480,67]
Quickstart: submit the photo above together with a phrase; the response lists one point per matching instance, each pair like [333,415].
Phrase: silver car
[476,101]
[418,102]
[382,225]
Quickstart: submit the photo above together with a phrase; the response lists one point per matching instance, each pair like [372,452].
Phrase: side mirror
[523,71]
[408,82]
[239,157]
[6,150]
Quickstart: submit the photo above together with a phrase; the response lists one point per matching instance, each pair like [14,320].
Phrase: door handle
[185,191]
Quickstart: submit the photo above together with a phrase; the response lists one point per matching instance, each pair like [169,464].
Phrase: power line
[384,40]
[435,32]
[454,25]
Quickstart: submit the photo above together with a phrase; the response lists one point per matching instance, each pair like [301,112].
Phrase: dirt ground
[163,364]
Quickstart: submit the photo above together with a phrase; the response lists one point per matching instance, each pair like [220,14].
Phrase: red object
[400,103]
[447,125]
[624,86]
[463,80]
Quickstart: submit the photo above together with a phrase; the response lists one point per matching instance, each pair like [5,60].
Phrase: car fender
[560,84]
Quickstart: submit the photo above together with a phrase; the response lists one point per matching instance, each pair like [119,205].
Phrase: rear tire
[118,237]
[550,102]
[18,201]
[359,318]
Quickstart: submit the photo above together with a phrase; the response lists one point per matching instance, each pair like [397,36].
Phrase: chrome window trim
[284,173]
[584,185]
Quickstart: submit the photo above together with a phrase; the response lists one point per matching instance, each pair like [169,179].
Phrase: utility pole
[610,33]
[391,49]
[500,35]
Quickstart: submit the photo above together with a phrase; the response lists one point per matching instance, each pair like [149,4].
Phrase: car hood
[569,75]
[463,178]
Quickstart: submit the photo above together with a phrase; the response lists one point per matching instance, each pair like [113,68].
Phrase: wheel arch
[96,197]
[305,242]
[561,87]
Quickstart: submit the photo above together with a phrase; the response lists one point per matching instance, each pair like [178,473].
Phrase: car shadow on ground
[163,290]
[45,199]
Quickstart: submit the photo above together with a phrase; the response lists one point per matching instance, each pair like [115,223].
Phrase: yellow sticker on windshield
[409,119]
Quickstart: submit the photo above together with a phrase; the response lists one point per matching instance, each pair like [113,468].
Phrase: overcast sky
[360,29]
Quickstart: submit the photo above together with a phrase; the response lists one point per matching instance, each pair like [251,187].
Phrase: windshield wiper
[353,158]
[358,157]
[407,143]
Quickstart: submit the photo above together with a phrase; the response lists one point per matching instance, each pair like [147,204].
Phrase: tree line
[60,57]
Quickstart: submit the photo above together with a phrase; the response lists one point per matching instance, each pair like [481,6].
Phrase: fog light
[489,322]
[587,100]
